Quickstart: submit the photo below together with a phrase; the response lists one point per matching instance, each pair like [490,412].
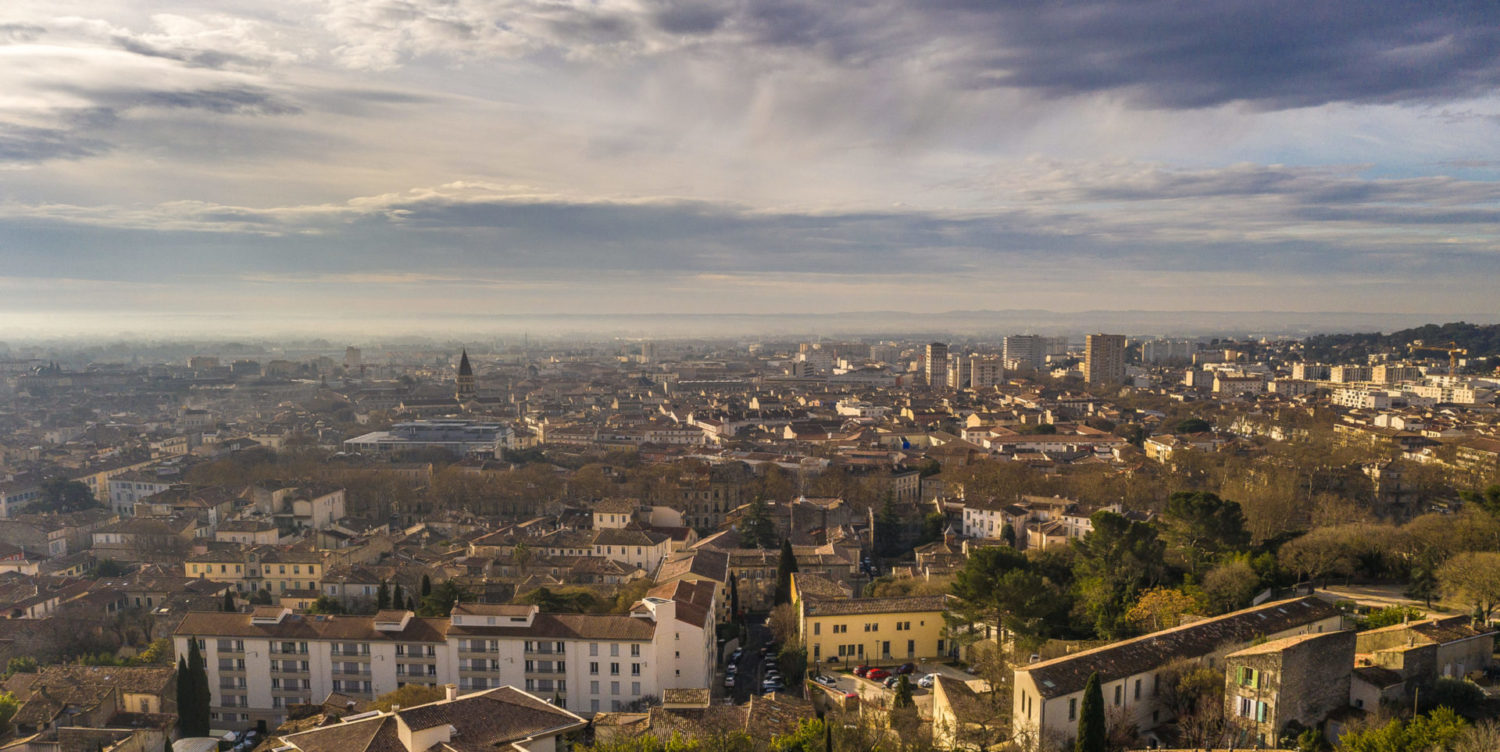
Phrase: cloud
[1155,53]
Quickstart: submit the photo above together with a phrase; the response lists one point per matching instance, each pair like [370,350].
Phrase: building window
[817,628]
[635,651]
[1137,689]
[1072,708]
[614,669]
[594,668]
[1118,693]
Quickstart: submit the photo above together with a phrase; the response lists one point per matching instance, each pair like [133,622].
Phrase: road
[751,667]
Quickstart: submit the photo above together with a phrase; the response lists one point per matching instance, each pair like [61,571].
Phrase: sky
[231,164]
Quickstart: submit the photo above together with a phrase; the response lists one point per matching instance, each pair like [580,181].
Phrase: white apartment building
[1361,399]
[125,490]
[260,663]
[1348,374]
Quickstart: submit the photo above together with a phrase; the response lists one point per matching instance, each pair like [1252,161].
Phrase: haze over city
[229,168]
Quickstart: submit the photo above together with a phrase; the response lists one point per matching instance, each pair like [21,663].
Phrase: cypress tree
[198,699]
[398,599]
[383,596]
[785,566]
[184,691]
[1092,734]
[411,603]
[229,606]
[426,586]
[827,735]
[734,596]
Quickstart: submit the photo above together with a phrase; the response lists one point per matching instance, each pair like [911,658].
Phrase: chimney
[450,692]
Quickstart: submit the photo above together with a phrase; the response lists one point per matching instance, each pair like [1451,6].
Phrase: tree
[1092,733]
[109,568]
[887,532]
[326,605]
[734,596]
[426,586]
[1487,499]
[383,596]
[933,526]
[398,598]
[21,665]
[262,597]
[1193,425]
[1161,608]
[1318,555]
[782,622]
[785,567]
[63,495]
[442,599]
[903,697]
[793,661]
[521,555]
[1200,526]
[756,528]
[1008,534]
[1423,583]
[229,605]
[1231,585]
[8,707]
[1004,586]
[1114,562]
[1433,731]
[1475,579]
[193,695]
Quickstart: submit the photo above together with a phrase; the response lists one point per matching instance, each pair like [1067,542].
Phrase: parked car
[729,682]
[861,670]
[890,681]
[927,681]
[732,669]
[877,674]
[826,681]
[735,656]
[906,668]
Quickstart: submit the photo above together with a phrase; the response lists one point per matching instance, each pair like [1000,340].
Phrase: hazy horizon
[863,324]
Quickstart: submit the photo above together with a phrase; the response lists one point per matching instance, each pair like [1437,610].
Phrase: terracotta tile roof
[1068,674]
[480,722]
[905,604]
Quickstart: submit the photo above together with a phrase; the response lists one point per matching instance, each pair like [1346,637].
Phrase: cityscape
[749,376]
[1230,543]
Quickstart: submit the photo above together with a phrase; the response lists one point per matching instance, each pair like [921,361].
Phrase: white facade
[258,664]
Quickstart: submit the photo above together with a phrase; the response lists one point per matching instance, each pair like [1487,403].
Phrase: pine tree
[1092,734]
[383,596]
[426,586]
[784,569]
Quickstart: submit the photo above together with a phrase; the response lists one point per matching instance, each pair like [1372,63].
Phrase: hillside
[1479,340]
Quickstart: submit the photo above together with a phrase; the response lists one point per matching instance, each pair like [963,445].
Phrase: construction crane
[1452,349]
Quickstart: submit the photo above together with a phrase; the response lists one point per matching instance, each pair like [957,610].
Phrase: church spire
[465,381]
